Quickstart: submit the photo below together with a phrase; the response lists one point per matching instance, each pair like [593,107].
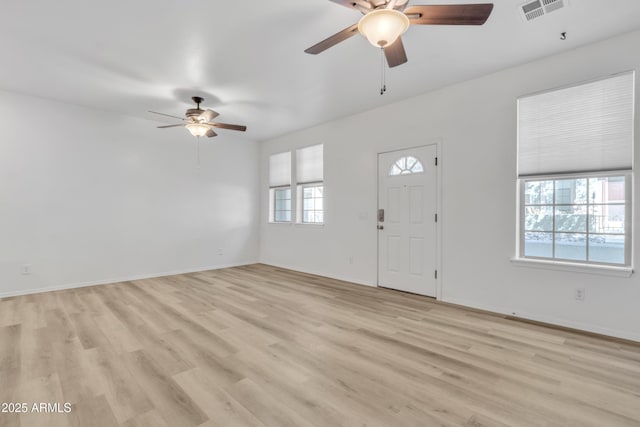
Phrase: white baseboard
[119,279]
[627,335]
[321,273]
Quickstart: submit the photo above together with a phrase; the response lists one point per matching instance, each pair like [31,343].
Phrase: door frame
[438,144]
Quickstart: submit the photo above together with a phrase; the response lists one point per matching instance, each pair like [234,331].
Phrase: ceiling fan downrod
[197,100]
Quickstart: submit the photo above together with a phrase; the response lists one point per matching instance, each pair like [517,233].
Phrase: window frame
[628,224]
[301,199]
[273,191]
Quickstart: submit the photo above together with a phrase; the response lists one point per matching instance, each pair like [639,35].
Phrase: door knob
[381,227]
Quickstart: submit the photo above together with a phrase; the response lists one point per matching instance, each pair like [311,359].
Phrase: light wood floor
[261,346]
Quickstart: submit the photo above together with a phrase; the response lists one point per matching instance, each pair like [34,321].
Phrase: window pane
[282,216]
[607,219]
[538,245]
[571,191]
[538,218]
[308,204]
[571,218]
[603,248]
[312,204]
[283,193]
[406,165]
[538,193]
[604,190]
[282,205]
[571,246]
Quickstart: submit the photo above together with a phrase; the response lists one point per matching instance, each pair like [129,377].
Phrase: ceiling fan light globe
[197,129]
[382,27]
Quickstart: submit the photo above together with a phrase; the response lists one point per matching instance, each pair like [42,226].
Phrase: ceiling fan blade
[169,126]
[395,54]
[359,5]
[333,40]
[168,115]
[227,126]
[210,133]
[449,14]
[208,115]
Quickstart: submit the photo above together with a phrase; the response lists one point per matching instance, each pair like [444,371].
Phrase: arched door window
[406,165]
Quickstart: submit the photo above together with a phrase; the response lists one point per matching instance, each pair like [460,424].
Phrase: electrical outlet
[220,252]
[26,269]
[580,293]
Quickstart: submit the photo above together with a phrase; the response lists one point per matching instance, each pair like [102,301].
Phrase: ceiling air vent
[538,8]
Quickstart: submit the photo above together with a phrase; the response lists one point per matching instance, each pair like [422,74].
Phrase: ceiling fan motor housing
[194,112]
[380,4]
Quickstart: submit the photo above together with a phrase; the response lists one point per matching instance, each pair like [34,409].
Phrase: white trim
[627,335]
[628,232]
[323,274]
[120,279]
[605,270]
[439,240]
[309,224]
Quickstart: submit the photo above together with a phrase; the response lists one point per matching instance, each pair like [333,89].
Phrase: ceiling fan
[384,21]
[198,121]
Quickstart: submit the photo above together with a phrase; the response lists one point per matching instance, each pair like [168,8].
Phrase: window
[575,150]
[312,204]
[309,178]
[280,187]
[406,165]
[282,205]
[578,219]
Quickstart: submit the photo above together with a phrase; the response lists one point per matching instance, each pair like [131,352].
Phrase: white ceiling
[246,57]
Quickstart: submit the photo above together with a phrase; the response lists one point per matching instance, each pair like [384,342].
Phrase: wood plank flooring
[262,346]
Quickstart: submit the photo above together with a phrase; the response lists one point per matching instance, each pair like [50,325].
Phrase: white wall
[476,124]
[89,196]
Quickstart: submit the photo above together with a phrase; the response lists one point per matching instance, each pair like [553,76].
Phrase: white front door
[407,235]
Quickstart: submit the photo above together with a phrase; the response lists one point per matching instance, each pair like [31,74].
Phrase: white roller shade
[582,128]
[309,164]
[280,169]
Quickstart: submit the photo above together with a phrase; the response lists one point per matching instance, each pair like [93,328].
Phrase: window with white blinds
[309,164]
[575,172]
[582,128]
[309,177]
[280,187]
[280,169]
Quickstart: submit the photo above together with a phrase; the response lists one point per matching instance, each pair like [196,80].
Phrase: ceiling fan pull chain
[198,150]
[383,74]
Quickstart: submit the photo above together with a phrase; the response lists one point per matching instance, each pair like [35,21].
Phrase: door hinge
[436,161]
[436,217]
[436,274]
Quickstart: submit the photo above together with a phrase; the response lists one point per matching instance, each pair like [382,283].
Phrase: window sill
[310,224]
[279,222]
[605,270]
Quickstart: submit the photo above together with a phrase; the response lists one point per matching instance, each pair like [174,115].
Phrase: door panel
[393,253]
[416,204]
[393,204]
[407,238]
[416,256]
